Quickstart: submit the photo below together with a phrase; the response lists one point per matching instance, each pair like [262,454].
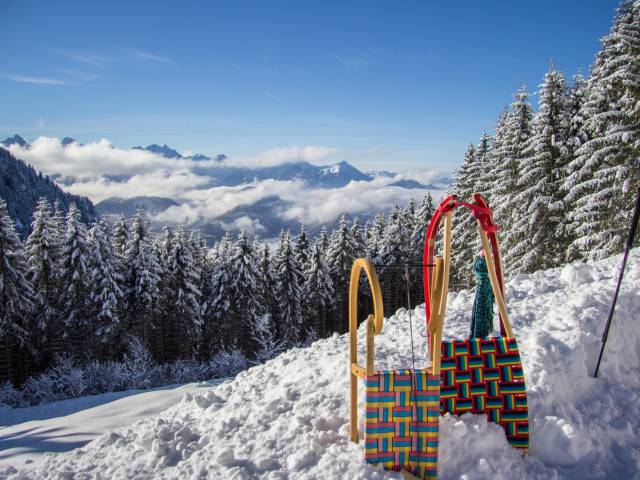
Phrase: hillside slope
[288,419]
[21,186]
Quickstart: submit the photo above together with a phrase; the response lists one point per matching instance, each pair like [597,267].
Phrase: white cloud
[93,159]
[141,54]
[35,80]
[314,206]
[250,225]
[85,57]
[103,158]
[426,177]
[92,167]
[161,183]
[279,156]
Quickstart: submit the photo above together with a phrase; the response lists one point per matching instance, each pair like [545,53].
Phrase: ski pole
[632,234]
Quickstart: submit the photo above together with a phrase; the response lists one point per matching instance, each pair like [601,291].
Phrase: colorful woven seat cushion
[401,421]
[484,375]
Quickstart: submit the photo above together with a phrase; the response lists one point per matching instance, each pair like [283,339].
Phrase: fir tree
[106,284]
[467,181]
[74,298]
[185,299]
[518,134]
[142,280]
[245,293]
[288,293]
[360,248]
[319,292]
[542,241]
[43,257]
[603,173]
[393,256]
[16,298]
[120,236]
[340,257]
[218,326]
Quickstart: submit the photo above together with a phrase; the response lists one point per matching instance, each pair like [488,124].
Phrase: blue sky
[390,84]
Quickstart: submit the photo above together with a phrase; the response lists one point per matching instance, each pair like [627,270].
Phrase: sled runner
[478,375]
[401,406]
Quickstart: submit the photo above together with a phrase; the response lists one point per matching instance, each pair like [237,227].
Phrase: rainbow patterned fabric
[401,421]
[484,375]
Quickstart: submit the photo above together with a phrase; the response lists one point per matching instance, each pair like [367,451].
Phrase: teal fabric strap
[482,314]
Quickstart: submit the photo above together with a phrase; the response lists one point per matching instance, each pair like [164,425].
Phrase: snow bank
[288,419]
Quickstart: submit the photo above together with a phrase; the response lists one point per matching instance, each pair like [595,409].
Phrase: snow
[288,418]
[26,433]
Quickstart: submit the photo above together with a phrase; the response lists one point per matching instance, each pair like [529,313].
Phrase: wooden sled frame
[374,327]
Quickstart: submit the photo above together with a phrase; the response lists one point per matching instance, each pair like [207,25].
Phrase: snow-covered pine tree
[539,205]
[497,154]
[360,248]
[164,337]
[16,300]
[288,293]
[106,293]
[43,258]
[74,281]
[469,179]
[393,255]
[218,329]
[422,218]
[302,251]
[245,294]
[198,247]
[265,335]
[59,222]
[603,174]
[518,127]
[120,235]
[376,233]
[302,248]
[142,279]
[323,241]
[340,257]
[185,295]
[319,292]
[421,223]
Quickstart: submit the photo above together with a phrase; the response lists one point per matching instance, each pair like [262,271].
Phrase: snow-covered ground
[27,433]
[288,419]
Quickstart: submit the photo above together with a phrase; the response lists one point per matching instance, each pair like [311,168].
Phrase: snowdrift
[288,419]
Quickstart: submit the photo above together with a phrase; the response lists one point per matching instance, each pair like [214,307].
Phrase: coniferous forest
[113,305]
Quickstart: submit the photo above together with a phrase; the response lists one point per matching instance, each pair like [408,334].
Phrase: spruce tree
[601,183]
[16,299]
[246,303]
[505,188]
[142,281]
[393,256]
[340,257]
[43,258]
[74,280]
[539,224]
[106,282]
[219,330]
[120,235]
[288,293]
[185,295]
[467,181]
[319,293]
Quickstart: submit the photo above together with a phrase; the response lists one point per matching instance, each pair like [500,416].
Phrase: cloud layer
[100,170]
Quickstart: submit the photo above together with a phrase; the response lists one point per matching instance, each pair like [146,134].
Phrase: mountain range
[219,172]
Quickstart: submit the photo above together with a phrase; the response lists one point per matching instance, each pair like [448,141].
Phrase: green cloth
[482,315]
